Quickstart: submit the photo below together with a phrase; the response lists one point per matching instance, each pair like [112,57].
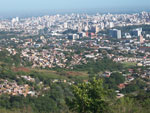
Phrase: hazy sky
[16,5]
[12,6]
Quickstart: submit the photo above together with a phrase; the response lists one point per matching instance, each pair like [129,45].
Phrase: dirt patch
[72,73]
[21,69]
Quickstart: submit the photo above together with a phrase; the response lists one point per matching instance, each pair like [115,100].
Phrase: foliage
[5,57]
[126,105]
[52,101]
[90,97]
[136,85]
[114,80]
[100,65]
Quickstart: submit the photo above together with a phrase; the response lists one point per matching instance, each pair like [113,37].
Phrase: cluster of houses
[60,55]
[12,88]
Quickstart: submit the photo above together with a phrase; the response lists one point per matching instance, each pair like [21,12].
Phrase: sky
[22,6]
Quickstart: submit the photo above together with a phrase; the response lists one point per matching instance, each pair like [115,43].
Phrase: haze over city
[41,7]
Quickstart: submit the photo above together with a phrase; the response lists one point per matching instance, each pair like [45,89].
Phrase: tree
[89,97]
[114,80]
[127,105]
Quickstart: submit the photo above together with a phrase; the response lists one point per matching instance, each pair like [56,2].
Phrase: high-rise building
[65,25]
[95,29]
[141,39]
[111,24]
[82,34]
[102,25]
[75,36]
[115,33]
[136,32]
[15,20]
[87,34]
[86,28]
[79,29]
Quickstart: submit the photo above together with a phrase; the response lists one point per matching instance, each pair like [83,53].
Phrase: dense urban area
[53,63]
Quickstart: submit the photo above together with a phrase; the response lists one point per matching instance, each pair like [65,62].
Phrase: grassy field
[63,74]
[52,74]
[128,64]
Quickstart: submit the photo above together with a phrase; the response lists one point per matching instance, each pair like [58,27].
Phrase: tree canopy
[90,97]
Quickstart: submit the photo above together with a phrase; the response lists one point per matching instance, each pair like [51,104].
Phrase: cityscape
[58,37]
[75,56]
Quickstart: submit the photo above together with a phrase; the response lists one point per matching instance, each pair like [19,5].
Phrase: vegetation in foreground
[80,93]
